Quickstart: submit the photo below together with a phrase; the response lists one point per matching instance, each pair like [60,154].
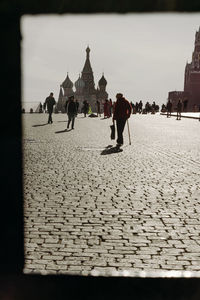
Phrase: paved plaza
[86,209]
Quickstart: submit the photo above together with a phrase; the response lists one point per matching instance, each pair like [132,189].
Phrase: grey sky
[141,55]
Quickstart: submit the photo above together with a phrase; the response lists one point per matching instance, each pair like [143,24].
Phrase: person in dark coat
[179,110]
[106,107]
[122,111]
[49,103]
[169,108]
[85,108]
[71,109]
[140,105]
[98,108]
[137,107]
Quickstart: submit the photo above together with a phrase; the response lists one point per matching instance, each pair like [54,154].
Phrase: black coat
[71,108]
[49,102]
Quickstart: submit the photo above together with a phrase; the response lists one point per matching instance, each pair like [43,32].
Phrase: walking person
[106,109]
[85,107]
[71,109]
[140,105]
[49,103]
[122,111]
[137,107]
[179,110]
[98,108]
[169,108]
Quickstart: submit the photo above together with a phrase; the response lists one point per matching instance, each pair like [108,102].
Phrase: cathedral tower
[87,76]
[101,92]
[192,76]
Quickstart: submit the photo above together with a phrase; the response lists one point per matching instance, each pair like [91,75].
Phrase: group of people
[147,108]
[120,112]
[179,109]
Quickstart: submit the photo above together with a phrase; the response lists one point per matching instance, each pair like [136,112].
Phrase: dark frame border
[12,281]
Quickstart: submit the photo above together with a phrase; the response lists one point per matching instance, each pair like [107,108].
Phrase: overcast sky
[142,55]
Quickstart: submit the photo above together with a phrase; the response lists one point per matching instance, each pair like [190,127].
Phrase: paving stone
[137,209]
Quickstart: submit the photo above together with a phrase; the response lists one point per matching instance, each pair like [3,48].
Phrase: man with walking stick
[121,113]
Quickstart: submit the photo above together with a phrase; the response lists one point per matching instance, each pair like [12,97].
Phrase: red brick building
[191,94]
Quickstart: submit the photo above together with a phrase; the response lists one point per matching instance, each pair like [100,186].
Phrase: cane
[129,133]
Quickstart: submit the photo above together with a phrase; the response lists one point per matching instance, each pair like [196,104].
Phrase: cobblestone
[133,210]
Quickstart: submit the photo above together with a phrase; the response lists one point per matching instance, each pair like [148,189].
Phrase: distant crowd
[106,108]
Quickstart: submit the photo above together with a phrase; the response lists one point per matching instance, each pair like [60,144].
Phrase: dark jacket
[71,108]
[179,106]
[49,102]
[122,109]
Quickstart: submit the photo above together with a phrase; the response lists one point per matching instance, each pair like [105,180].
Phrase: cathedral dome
[79,84]
[67,83]
[102,81]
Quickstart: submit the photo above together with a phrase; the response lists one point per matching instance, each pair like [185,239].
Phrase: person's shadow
[40,125]
[61,131]
[111,150]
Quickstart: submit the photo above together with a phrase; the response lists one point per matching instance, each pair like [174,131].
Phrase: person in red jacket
[121,112]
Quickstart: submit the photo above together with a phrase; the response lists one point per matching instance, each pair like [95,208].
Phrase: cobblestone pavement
[133,210]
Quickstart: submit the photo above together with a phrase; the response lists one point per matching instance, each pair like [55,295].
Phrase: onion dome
[79,84]
[67,83]
[102,81]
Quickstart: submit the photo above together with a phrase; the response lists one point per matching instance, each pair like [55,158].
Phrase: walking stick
[129,133]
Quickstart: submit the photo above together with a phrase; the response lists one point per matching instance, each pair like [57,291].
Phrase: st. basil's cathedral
[84,88]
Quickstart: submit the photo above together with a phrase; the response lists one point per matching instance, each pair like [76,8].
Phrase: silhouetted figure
[169,108]
[31,111]
[23,110]
[153,106]
[179,110]
[140,105]
[85,107]
[163,108]
[157,108]
[134,108]
[147,107]
[98,108]
[137,107]
[40,109]
[49,103]
[106,109]
[71,109]
[122,111]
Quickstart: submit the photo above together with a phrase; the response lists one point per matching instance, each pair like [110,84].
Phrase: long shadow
[111,150]
[40,125]
[62,121]
[65,130]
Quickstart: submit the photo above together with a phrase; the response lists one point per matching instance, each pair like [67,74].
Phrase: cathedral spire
[87,75]
[87,67]
[88,52]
